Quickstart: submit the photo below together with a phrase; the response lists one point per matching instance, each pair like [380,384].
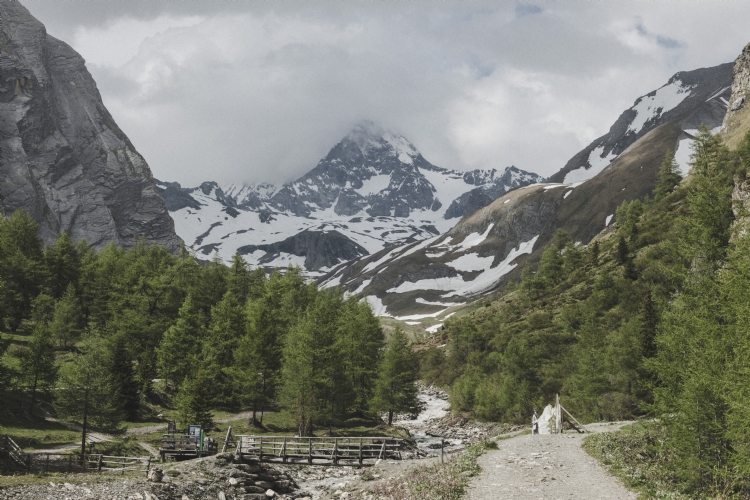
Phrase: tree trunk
[33,395]
[85,422]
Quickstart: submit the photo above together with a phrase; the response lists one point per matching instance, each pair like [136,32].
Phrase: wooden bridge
[357,451]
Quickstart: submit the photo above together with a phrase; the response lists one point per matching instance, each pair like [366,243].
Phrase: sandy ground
[546,466]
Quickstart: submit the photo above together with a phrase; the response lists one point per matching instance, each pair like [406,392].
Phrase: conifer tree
[622,251]
[668,176]
[594,254]
[226,329]
[180,348]
[360,339]
[38,368]
[62,265]
[195,399]
[395,389]
[123,377]
[21,269]
[86,393]
[66,320]
[238,279]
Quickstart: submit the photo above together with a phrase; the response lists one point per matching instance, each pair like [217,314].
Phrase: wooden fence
[318,450]
[13,459]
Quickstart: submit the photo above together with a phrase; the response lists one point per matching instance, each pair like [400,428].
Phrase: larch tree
[86,393]
[395,389]
[38,368]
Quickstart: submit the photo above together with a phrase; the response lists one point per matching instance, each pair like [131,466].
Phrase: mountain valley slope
[431,280]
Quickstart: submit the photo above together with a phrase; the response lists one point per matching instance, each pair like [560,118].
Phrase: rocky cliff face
[737,120]
[62,156]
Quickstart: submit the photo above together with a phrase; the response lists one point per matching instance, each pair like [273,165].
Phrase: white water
[433,408]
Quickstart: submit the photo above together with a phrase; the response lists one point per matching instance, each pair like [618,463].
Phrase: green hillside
[649,320]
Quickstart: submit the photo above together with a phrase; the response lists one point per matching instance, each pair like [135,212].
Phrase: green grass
[635,454]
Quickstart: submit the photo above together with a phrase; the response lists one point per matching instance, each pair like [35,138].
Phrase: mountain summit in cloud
[373,189]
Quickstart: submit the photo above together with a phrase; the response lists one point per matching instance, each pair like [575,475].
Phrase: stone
[270,493]
[222,496]
[69,486]
[63,158]
[155,475]
[254,489]
[264,484]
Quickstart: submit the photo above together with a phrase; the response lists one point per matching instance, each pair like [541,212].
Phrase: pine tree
[86,393]
[360,339]
[594,255]
[21,269]
[225,331]
[395,389]
[62,264]
[622,251]
[180,348]
[195,399]
[667,177]
[238,279]
[66,320]
[123,377]
[38,368]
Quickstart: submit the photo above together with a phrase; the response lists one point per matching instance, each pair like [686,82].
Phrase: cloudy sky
[249,91]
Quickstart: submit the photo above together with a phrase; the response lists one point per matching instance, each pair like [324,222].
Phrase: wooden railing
[12,456]
[318,450]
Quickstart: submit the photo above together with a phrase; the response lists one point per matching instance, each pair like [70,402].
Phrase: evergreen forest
[102,329]
[649,321]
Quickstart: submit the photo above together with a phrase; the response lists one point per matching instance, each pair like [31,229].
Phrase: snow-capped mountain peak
[368,135]
[373,189]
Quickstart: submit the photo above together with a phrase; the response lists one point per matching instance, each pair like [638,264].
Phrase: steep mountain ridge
[372,190]
[434,278]
[685,92]
[62,156]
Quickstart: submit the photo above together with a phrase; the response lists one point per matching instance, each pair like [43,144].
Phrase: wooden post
[226,439]
[442,450]
[309,450]
[382,450]
[148,465]
[360,452]
[260,449]
[47,466]
[99,464]
[70,462]
[123,466]
[334,455]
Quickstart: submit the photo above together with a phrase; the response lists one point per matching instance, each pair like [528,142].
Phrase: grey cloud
[261,90]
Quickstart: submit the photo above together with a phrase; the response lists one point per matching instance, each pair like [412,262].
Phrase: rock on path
[545,466]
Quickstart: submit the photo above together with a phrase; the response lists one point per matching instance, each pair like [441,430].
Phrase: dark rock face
[62,156]
[321,249]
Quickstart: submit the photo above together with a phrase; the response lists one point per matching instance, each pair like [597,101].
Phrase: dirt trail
[546,466]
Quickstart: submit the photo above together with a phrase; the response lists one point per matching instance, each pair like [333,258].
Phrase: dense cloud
[253,91]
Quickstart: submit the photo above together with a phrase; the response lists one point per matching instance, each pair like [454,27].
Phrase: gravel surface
[546,466]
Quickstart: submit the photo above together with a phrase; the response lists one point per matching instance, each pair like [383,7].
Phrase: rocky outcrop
[737,120]
[62,156]
[321,249]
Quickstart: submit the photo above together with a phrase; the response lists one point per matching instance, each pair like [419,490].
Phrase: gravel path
[546,466]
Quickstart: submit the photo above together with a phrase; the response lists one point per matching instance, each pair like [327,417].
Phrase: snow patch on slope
[664,99]
[597,162]
[456,286]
